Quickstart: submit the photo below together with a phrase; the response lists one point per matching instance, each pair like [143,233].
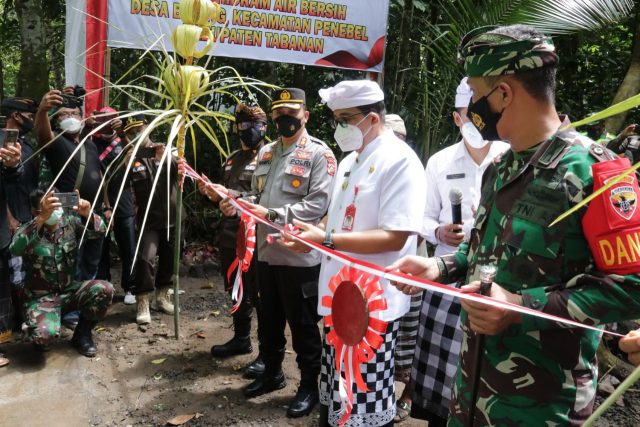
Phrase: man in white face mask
[375,214]
[59,124]
[460,167]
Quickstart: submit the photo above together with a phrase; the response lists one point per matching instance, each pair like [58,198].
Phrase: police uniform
[50,291]
[293,182]
[535,371]
[237,174]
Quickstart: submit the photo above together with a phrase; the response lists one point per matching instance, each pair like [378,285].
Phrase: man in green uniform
[533,371]
[48,245]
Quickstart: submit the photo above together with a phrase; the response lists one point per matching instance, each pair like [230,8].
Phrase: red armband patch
[612,221]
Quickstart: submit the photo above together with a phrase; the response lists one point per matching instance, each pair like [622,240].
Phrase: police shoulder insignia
[268,155]
[331,163]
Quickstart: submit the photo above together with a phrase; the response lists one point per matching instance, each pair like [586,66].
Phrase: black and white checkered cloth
[407,334]
[437,353]
[374,408]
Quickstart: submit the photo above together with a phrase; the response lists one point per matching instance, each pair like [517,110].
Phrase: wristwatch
[328,240]
[272,215]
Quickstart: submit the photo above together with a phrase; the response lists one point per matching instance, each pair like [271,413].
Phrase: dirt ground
[145,378]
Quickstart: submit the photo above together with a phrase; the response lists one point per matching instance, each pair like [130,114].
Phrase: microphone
[455,197]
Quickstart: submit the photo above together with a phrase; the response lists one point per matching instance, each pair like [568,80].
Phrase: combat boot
[143,317]
[82,339]
[163,303]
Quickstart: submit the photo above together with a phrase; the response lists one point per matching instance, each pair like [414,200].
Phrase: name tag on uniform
[456,176]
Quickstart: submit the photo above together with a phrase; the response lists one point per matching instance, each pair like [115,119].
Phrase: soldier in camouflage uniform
[49,245]
[533,371]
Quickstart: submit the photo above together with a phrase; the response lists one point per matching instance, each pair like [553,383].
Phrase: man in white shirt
[460,167]
[375,214]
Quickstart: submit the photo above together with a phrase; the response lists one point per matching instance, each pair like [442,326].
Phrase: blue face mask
[55,217]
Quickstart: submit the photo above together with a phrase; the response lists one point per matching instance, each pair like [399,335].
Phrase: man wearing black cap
[251,126]
[292,181]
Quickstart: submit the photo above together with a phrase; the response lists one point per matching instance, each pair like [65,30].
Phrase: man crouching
[48,245]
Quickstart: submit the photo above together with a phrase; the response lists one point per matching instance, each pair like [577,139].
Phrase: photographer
[110,144]
[10,171]
[148,275]
[48,245]
[58,126]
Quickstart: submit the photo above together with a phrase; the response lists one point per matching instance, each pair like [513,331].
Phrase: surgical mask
[350,137]
[251,137]
[55,217]
[472,136]
[288,125]
[485,120]
[26,126]
[71,125]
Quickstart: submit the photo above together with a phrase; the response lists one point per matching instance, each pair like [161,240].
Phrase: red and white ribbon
[399,277]
[352,356]
[245,246]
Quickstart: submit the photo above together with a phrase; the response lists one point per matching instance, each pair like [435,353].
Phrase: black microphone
[455,197]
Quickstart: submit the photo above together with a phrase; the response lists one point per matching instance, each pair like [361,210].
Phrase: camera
[67,200]
[69,101]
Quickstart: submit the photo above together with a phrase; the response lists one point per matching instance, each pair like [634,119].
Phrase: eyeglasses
[343,120]
[248,125]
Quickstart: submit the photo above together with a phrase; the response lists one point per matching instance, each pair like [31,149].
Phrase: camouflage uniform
[537,370]
[50,289]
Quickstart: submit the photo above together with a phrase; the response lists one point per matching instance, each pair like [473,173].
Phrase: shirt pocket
[295,179]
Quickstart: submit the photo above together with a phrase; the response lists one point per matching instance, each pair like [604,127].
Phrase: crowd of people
[487,200]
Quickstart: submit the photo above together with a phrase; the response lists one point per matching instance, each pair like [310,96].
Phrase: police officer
[292,180]
[48,245]
[251,126]
[532,371]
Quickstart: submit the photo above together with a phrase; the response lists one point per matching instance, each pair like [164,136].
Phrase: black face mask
[485,120]
[251,137]
[26,126]
[288,125]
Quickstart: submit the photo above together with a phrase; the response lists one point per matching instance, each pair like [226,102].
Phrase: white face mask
[471,134]
[71,125]
[55,217]
[350,138]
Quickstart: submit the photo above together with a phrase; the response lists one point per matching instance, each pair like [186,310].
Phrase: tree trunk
[630,85]
[33,76]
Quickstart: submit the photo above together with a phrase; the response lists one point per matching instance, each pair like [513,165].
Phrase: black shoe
[82,340]
[304,402]
[233,347]
[255,369]
[265,384]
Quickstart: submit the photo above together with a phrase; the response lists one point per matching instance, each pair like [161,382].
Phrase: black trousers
[242,316]
[124,230]
[148,275]
[5,296]
[89,255]
[282,301]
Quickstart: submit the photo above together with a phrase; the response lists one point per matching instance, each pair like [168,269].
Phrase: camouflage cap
[487,53]
[246,113]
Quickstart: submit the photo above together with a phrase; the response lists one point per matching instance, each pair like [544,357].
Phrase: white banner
[345,34]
